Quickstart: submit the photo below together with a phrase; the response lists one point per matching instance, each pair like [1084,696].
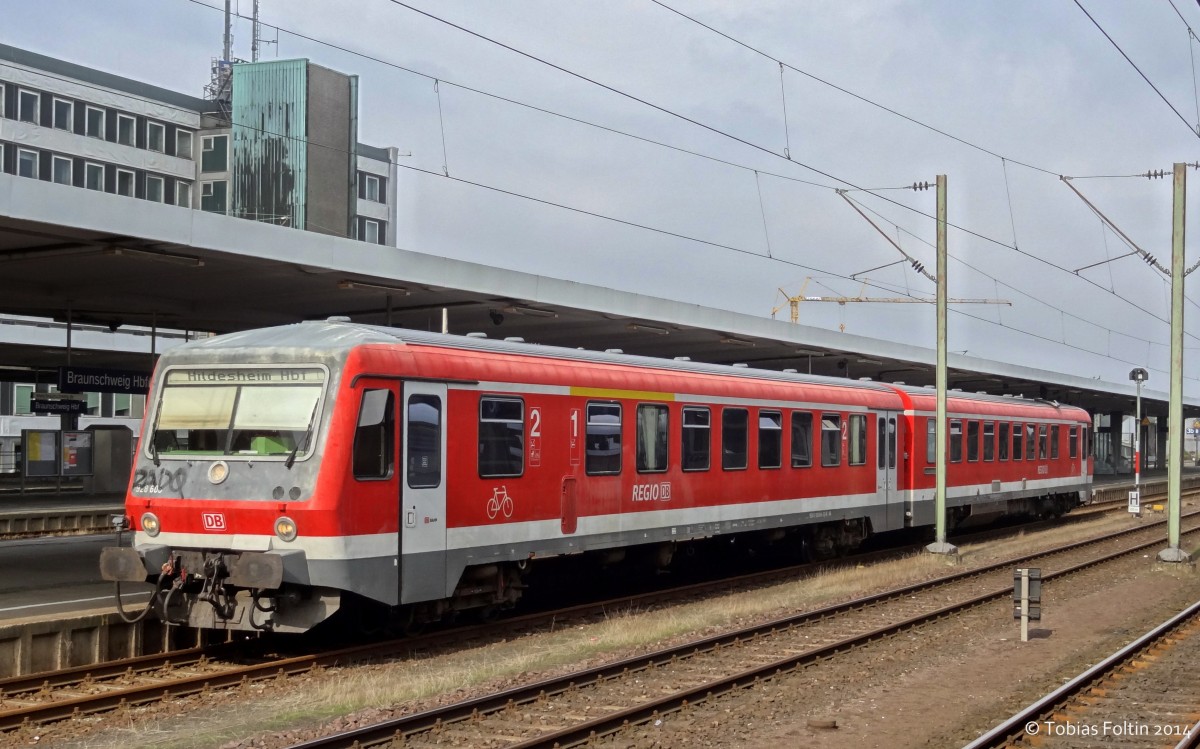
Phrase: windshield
[251,412]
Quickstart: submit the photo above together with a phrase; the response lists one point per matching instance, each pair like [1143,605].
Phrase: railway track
[1145,694]
[595,703]
[41,698]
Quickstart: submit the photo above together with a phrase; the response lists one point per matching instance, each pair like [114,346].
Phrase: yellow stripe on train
[630,394]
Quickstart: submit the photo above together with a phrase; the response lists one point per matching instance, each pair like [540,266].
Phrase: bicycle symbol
[500,502]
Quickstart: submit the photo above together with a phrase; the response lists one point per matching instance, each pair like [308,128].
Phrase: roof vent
[476,334]
[864,379]
[899,382]
[683,358]
[337,318]
[515,339]
[740,365]
[791,371]
[613,351]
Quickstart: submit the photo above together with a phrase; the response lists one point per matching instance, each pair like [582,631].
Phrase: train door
[887,483]
[423,493]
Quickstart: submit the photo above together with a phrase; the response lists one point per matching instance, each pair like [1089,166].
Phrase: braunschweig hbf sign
[81,380]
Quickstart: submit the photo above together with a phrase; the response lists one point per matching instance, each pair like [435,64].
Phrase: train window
[973,441]
[1073,443]
[930,441]
[831,440]
[603,439]
[250,413]
[1031,442]
[989,440]
[956,435]
[801,439]
[1002,444]
[1018,441]
[424,441]
[881,441]
[891,442]
[770,439]
[735,427]
[697,438]
[1054,442]
[374,437]
[858,439]
[501,437]
[652,425]
[1042,442]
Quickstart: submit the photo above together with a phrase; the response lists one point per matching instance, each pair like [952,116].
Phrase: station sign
[55,404]
[88,380]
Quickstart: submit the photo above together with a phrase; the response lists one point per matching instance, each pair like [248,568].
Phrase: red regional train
[282,472]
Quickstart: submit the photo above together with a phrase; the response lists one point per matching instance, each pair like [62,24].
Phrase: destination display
[248,375]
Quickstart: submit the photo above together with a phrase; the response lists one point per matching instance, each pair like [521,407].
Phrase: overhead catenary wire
[967,231]
[1195,130]
[743,141]
[828,187]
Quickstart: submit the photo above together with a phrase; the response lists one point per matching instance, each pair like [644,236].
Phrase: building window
[735,438]
[370,188]
[183,144]
[125,183]
[22,400]
[697,435]
[213,196]
[94,122]
[603,439]
[27,163]
[371,231]
[93,176]
[154,188]
[183,194]
[64,114]
[652,431]
[770,439]
[156,137]
[29,105]
[214,153]
[801,439]
[126,130]
[1,100]
[61,170]
[501,437]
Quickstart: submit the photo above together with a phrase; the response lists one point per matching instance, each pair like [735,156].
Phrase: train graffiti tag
[158,480]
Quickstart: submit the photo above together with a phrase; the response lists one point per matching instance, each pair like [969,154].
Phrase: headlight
[285,528]
[218,472]
[150,523]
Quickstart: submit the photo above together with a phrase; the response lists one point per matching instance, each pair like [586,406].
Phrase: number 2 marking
[535,422]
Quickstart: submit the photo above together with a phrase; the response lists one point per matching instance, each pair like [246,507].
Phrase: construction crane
[794,301]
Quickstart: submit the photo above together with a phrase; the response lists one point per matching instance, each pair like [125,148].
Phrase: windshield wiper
[291,459]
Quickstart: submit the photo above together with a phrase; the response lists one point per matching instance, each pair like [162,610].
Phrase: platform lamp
[1138,375]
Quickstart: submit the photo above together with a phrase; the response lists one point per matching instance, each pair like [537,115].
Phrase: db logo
[214,521]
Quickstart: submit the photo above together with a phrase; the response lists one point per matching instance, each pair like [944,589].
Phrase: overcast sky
[1034,82]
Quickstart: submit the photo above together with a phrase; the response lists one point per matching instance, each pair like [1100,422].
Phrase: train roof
[332,340]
